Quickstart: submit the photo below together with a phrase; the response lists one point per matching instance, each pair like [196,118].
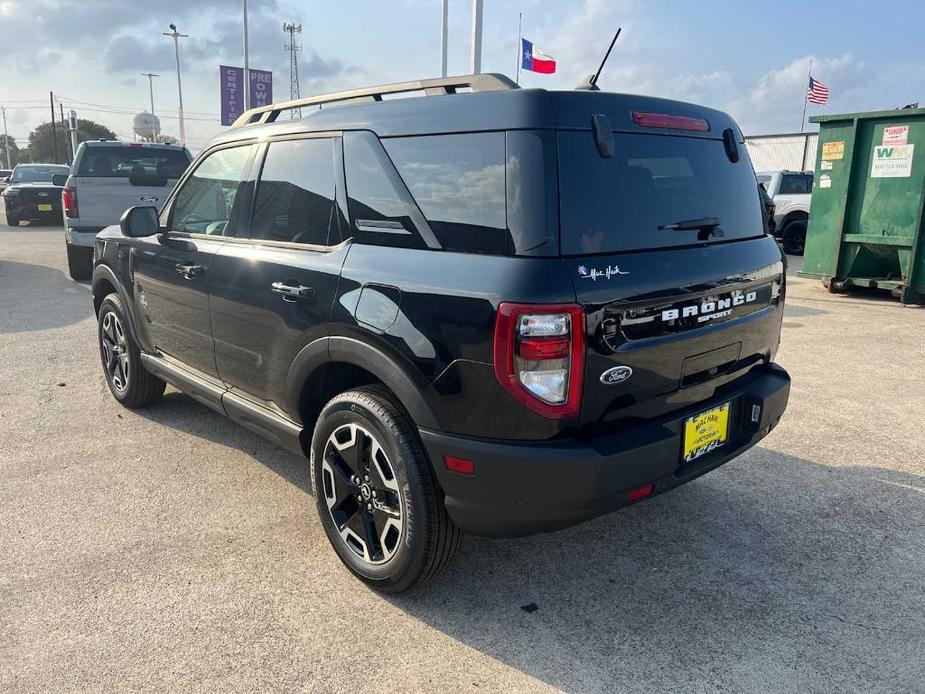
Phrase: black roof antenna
[590,82]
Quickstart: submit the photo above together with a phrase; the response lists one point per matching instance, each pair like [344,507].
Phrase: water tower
[147,126]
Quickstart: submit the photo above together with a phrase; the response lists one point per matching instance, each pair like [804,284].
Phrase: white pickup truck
[791,192]
[106,178]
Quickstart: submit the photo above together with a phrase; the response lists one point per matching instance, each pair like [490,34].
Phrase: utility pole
[247,74]
[54,135]
[176,36]
[6,138]
[475,57]
[293,47]
[150,75]
[444,18]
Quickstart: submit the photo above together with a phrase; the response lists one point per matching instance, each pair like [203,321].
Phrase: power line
[293,47]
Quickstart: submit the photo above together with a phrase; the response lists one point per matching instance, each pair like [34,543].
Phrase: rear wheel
[376,494]
[127,378]
[12,220]
[793,237]
[79,262]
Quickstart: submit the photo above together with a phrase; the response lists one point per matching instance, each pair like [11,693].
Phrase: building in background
[784,152]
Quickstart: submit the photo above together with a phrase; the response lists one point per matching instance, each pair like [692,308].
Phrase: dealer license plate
[45,208]
[705,432]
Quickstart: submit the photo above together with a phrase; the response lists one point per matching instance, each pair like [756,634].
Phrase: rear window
[618,203]
[796,184]
[125,162]
[36,174]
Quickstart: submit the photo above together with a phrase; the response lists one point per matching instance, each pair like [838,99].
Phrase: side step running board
[250,415]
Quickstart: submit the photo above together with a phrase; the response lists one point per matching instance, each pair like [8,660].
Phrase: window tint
[795,184]
[123,162]
[620,203]
[295,194]
[204,202]
[32,173]
[379,208]
[458,182]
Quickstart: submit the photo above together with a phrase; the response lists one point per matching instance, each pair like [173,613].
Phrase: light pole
[444,16]
[6,138]
[247,74]
[475,58]
[149,75]
[176,36]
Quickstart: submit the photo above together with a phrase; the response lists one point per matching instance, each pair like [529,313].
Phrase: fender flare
[104,272]
[340,349]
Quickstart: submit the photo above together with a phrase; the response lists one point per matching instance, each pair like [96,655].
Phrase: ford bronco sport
[487,309]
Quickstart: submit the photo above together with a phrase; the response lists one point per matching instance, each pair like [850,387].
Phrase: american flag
[817,93]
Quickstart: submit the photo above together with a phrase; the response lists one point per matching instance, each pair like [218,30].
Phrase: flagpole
[520,16]
[809,76]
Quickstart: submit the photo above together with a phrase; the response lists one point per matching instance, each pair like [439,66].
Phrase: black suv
[490,310]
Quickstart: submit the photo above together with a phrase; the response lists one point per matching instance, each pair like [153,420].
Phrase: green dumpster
[866,221]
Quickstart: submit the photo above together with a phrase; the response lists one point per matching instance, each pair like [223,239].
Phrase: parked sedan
[32,193]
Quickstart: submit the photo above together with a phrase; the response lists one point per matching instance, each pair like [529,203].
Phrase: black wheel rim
[114,350]
[362,494]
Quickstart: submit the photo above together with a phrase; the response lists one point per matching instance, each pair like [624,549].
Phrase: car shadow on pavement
[181,413]
[54,299]
[773,573]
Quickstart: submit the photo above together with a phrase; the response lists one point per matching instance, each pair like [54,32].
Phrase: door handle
[189,270]
[293,292]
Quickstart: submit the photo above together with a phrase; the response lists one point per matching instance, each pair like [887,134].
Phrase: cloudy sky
[746,57]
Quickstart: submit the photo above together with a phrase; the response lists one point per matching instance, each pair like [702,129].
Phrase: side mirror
[59,180]
[139,221]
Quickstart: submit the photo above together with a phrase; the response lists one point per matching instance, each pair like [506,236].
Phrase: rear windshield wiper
[707,226]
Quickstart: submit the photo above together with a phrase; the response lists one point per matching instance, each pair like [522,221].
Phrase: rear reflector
[544,348]
[641,492]
[459,465]
[662,120]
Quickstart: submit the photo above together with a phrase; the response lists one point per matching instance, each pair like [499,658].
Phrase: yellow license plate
[705,432]
[44,208]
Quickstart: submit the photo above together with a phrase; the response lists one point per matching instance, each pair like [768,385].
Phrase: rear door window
[133,162]
[622,203]
[458,181]
[796,184]
[295,194]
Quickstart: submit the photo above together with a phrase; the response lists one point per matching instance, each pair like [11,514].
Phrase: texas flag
[532,58]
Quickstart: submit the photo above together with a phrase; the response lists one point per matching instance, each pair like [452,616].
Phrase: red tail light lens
[69,201]
[539,356]
[662,120]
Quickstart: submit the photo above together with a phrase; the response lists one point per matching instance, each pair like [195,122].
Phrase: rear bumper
[81,236]
[521,489]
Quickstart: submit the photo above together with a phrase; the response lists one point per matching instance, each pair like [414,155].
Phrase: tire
[126,376]
[407,538]
[794,237]
[79,262]
[11,220]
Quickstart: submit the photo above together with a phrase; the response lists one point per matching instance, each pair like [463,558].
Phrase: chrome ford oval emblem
[617,374]
[148,198]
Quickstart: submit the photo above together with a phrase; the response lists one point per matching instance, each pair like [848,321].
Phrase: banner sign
[232,91]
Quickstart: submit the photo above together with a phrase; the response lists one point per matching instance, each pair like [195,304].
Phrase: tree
[167,139]
[41,143]
[17,155]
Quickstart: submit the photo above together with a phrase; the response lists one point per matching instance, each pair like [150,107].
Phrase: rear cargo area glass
[615,204]
[124,162]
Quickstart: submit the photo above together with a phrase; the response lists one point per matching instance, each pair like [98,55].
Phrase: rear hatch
[112,177]
[661,229]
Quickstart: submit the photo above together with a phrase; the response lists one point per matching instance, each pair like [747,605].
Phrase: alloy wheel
[115,351]
[362,493]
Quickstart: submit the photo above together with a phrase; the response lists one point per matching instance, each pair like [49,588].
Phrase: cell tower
[293,47]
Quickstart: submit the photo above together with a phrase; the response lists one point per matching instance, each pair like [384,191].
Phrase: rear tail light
[69,201]
[663,120]
[539,356]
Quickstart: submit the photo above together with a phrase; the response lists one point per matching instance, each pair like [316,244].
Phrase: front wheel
[376,493]
[127,378]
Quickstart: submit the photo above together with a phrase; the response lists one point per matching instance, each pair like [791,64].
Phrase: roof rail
[485,82]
